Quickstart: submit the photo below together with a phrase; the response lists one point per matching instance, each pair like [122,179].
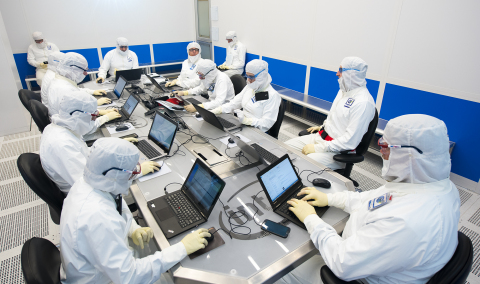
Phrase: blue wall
[91,54]
[175,51]
[24,68]
[460,116]
[142,51]
[287,74]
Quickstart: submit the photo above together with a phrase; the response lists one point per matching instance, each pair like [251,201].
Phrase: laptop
[182,210]
[162,87]
[118,90]
[160,138]
[281,182]
[126,110]
[130,74]
[188,101]
[223,122]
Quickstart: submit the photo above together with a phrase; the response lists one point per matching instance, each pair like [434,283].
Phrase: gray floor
[23,215]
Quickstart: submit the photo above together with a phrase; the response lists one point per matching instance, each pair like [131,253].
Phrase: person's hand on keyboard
[150,167]
[181,93]
[105,111]
[191,108]
[99,92]
[301,209]
[319,198]
[112,115]
[103,101]
[131,139]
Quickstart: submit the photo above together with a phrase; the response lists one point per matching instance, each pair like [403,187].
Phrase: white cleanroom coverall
[38,53]
[352,111]
[117,59]
[53,61]
[188,77]
[259,114]
[236,54]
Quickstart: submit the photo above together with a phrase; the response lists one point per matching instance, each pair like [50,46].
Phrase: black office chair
[27,95]
[40,262]
[39,114]
[455,271]
[32,172]
[275,129]
[238,83]
[350,159]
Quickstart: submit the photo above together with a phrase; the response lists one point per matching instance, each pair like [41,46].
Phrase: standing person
[188,76]
[38,55]
[236,53]
[121,58]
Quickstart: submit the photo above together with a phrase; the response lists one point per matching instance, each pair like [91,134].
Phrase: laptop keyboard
[284,207]
[264,153]
[185,212]
[225,123]
[193,101]
[147,149]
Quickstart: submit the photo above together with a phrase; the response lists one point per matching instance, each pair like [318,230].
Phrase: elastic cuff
[102,120]
[336,200]
[311,222]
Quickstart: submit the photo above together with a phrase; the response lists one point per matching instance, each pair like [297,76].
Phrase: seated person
[260,114]
[188,76]
[71,71]
[410,238]
[352,111]
[121,58]
[218,85]
[236,53]
[63,153]
[53,61]
[96,221]
[38,53]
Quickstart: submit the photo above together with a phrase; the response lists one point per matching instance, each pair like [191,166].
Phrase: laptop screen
[163,132]
[203,187]
[119,86]
[130,105]
[279,179]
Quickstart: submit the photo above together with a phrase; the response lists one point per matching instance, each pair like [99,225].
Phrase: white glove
[103,101]
[112,115]
[43,65]
[196,240]
[217,110]
[301,209]
[142,235]
[320,199]
[105,111]
[240,115]
[314,128]
[149,167]
[99,92]
[181,93]
[171,83]
[131,139]
[100,80]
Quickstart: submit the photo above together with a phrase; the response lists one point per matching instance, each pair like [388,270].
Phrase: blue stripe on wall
[142,51]
[250,56]
[170,51]
[23,68]
[323,84]
[220,54]
[91,54]
[287,74]
[460,116]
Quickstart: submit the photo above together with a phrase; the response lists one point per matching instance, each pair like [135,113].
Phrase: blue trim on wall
[287,74]
[24,68]
[372,86]
[91,54]
[170,51]
[249,57]
[460,116]
[142,51]
[220,54]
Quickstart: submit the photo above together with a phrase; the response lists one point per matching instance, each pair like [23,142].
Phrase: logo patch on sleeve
[349,102]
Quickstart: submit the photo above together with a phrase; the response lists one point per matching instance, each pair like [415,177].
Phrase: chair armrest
[348,158]
[329,278]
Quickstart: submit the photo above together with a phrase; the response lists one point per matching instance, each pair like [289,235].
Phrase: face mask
[122,53]
[79,77]
[41,45]
[341,83]
[232,43]
[84,124]
[255,85]
[193,59]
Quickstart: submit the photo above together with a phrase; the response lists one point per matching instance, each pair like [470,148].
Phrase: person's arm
[234,104]
[182,75]
[270,114]
[31,58]
[221,90]
[69,162]
[242,53]
[102,71]
[135,60]
[54,47]
[197,90]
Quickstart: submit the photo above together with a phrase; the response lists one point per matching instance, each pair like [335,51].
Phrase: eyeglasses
[94,115]
[123,46]
[193,50]
[346,69]
[134,173]
[84,70]
[202,76]
[382,143]
[254,76]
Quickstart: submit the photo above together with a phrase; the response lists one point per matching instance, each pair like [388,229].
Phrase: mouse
[121,128]
[230,140]
[212,233]
[198,115]
[320,182]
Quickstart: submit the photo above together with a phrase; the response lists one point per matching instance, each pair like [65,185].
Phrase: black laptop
[190,206]
[280,182]
[126,110]
[118,90]
[130,74]
[223,122]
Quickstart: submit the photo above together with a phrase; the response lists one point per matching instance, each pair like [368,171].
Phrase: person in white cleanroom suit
[63,153]
[218,85]
[236,53]
[188,76]
[53,61]
[70,71]
[94,244]
[38,54]
[352,111]
[408,239]
[121,58]
[260,114]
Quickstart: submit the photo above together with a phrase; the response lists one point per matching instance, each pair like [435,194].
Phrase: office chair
[238,83]
[40,261]
[32,172]
[350,159]
[275,129]
[39,114]
[455,271]
[27,95]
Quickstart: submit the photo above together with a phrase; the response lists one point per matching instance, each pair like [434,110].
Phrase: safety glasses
[202,76]
[346,69]
[94,115]
[254,76]
[382,143]
[134,173]
[193,50]
[84,70]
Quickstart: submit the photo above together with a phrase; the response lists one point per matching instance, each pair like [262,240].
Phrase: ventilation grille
[315,117]
[296,128]
[9,170]
[15,194]
[11,271]
[20,226]
[33,132]
[294,109]
[365,183]
[475,219]
[475,238]
[464,196]
[16,148]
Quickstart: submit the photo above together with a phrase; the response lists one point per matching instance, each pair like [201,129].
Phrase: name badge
[254,99]
[193,67]
[129,59]
[379,201]
[49,47]
[349,103]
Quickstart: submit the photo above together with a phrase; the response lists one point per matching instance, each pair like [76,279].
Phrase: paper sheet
[164,170]
[111,128]
[215,33]
[233,145]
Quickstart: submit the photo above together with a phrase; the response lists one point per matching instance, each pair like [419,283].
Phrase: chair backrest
[39,114]
[365,143]
[275,129]
[458,267]
[40,261]
[27,95]
[32,172]
[238,83]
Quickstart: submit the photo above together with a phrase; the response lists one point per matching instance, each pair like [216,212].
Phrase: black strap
[324,133]
[118,201]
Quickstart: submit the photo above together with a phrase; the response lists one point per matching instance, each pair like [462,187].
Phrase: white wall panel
[19,34]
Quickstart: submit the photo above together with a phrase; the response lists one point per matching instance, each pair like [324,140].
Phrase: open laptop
[190,206]
[118,90]
[130,74]
[281,182]
[127,109]
[160,138]
[223,122]
[188,101]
